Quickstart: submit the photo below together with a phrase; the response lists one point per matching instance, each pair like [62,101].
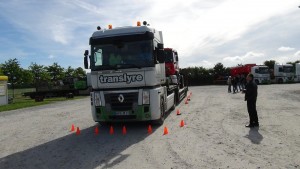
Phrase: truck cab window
[98,57]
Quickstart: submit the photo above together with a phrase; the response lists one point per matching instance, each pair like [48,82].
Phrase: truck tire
[161,120]
[256,81]
[280,81]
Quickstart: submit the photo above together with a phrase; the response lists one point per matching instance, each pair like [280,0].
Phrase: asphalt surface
[214,135]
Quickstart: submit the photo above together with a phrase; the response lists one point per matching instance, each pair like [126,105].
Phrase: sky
[204,32]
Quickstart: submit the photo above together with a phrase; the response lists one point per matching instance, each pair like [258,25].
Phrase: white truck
[283,73]
[128,75]
[260,72]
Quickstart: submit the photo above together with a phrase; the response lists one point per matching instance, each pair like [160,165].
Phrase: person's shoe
[250,125]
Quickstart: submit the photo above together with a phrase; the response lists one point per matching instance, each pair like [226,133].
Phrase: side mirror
[161,56]
[86,65]
[160,46]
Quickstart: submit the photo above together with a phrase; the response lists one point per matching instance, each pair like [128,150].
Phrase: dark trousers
[251,106]
[229,88]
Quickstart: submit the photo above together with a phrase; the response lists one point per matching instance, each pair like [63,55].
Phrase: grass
[22,102]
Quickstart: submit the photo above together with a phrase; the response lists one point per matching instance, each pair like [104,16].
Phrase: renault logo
[121,98]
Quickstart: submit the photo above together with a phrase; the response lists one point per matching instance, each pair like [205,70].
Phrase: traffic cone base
[96,130]
[111,130]
[181,123]
[124,131]
[77,131]
[149,129]
[178,112]
[72,128]
[166,131]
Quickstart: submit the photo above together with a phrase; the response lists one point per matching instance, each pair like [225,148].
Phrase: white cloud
[249,57]
[285,49]
[297,54]
[203,63]
[196,28]
[51,57]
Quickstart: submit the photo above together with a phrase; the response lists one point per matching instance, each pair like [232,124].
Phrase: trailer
[128,75]
[260,72]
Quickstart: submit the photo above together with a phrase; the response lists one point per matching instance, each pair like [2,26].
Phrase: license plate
[122,113]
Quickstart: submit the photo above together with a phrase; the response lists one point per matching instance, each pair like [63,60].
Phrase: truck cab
[128,75]
[261,74]
[284,73]
[171,61]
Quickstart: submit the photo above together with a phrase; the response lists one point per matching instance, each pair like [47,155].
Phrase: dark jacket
[251,91]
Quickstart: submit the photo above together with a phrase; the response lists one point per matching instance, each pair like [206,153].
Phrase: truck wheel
[162,112]
[256,81]
[280,81]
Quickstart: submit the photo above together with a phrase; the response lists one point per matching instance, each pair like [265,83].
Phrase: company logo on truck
[121,78]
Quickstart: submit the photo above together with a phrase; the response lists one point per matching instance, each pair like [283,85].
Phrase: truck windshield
[288,69]
[264,70]
[120,55]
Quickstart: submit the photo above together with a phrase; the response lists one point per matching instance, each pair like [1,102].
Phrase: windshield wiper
[128,66]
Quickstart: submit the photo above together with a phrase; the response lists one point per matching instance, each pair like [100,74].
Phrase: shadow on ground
[86,150]
[254,136]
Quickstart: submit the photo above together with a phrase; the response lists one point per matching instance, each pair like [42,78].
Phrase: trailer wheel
[162,112]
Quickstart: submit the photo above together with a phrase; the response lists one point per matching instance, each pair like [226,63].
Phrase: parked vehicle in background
[260,72]
[297,72]
[283,73]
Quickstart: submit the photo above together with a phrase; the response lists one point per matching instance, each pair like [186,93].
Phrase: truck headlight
[97,99]
[146,97]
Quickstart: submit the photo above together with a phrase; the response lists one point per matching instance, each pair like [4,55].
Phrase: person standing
[229,84]
[251,97]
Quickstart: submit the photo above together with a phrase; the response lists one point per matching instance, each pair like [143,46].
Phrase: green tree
[39,73]
[1,72]
[270,63]
[69,72]
[27,79]
[12,69]
[219,69]
[56,72]
[79,73]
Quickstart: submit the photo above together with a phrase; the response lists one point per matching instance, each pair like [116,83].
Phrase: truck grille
[117,105]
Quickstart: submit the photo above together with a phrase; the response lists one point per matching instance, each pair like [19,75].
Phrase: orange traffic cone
[149,129]
[72,128]
[124,131]
[77,131]
[181,123]
[186,101]
[111,130]
[178,112]
[166,131]
[96,130]
[189,98]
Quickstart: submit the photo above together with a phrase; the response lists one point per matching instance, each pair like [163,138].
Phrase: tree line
[27,78]
[22,78]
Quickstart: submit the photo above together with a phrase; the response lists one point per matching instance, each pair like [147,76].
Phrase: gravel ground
[214,135]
